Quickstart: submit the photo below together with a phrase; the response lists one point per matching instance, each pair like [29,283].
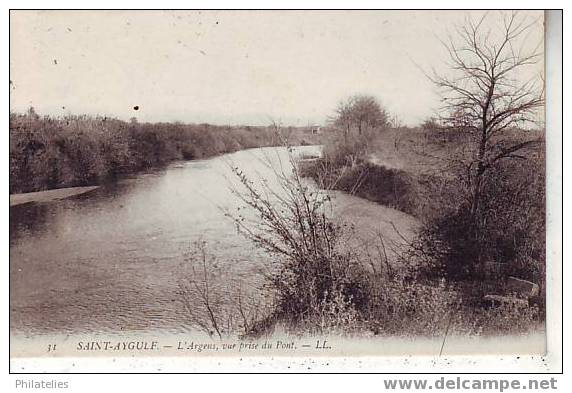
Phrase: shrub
[345,150]
[508,232]
[212,299]
[403,306]
[507,318]
[315,273]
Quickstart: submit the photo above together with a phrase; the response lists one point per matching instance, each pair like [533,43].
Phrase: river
[110,260]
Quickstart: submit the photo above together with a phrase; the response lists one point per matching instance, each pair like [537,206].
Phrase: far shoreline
[56,194]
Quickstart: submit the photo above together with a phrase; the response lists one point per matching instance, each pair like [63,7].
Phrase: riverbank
[49,195]
[75,151]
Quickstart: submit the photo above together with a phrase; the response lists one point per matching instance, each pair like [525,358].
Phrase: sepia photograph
[239,183]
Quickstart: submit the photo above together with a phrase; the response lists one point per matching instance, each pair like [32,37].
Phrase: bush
[345,150]
[213,300]
[507,233]
[314,269]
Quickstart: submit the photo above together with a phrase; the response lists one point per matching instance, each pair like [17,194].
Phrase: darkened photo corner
[300,183]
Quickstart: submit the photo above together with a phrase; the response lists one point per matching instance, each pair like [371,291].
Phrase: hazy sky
[248,67]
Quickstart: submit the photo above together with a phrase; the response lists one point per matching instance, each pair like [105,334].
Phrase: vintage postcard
[257,183]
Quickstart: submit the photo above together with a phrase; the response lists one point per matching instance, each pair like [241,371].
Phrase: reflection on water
[110,260]
[27,219]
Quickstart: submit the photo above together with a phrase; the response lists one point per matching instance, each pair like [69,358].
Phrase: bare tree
[487,93]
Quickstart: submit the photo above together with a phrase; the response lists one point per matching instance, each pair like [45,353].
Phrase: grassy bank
[415,171]
[48,152]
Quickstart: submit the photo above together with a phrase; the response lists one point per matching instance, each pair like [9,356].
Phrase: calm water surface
[110,260]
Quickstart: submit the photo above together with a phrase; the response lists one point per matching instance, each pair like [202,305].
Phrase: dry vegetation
[48,152]
[321,283]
